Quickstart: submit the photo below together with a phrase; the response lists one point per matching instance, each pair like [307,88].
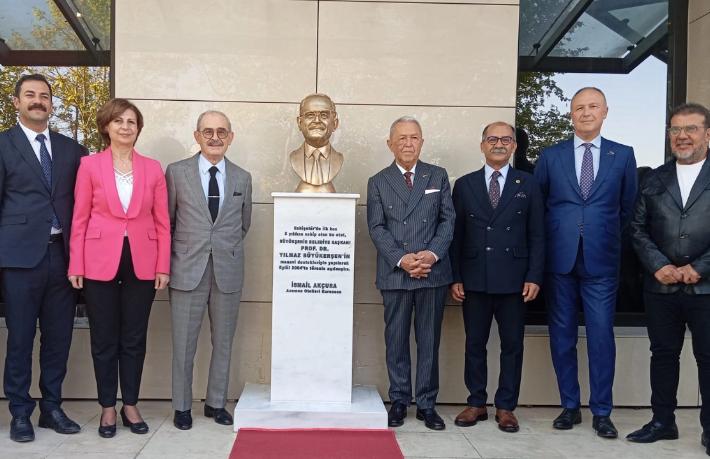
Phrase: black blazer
[496,251]
[26,201]
[663,231]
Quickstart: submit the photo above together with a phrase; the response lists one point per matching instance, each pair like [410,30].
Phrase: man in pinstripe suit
[410,217]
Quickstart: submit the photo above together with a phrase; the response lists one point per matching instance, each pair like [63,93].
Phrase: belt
[54,238]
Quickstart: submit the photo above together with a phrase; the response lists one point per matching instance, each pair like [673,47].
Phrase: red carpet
[315,444]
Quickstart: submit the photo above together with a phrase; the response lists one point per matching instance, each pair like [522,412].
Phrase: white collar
[32,135]
[503,171]
[596,142]
[403,170]
[205,165]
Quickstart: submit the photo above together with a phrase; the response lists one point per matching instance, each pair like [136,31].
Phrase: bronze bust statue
[316,162]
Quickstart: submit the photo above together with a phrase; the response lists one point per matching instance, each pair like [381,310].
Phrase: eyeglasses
[311,116]
[505,140]
[690,129]
[209,133]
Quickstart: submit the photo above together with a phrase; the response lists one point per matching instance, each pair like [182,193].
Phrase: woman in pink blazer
[119,252]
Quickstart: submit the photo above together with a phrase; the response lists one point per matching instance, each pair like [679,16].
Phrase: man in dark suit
[672,239]
[411,221]
[497,260]
[589,184]
[37,172]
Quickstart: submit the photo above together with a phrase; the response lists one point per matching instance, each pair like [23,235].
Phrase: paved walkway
[536,438]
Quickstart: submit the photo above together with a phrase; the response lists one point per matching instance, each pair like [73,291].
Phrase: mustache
[215,143]
[499,150]
[316,126]
[39,106]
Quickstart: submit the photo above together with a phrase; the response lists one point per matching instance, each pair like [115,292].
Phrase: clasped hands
[419,264]
[161,281]
[671,274]
[530,291]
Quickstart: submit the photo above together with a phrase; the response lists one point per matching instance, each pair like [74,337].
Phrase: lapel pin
[611,153]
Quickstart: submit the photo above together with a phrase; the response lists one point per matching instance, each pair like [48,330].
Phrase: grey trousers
[188,310]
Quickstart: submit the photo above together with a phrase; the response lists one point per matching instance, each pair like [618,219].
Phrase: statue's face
[317,120]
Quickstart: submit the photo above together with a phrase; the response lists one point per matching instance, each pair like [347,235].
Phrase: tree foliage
[78,91]
[537,112]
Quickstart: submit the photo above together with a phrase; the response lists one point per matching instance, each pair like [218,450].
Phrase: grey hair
[588,88]
[213,112]
[404,119]
[497,123]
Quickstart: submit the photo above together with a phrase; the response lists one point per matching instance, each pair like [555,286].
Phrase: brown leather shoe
[471,415]
[507,422]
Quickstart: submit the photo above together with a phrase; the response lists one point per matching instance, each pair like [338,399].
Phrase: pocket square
[520,194]
[431,190]
[236,193]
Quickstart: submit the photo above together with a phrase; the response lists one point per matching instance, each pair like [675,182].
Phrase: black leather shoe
[604,427]
[567,419]
[21,429]
[136,427]
[58,421]
[431,419]
[107,431]
[705,441]
[220,415]
[183,419]
[654,431]
[396,414]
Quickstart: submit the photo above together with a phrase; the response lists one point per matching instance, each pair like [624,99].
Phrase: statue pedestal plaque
[312,322]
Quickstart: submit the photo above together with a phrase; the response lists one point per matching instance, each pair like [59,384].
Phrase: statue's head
[317,119]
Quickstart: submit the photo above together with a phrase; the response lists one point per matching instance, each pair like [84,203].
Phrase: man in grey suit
[410,216]
[209,200]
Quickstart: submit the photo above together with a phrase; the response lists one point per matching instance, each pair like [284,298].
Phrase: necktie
[408,179]
[494,189]
[213,193]
[586,177]
[46,162]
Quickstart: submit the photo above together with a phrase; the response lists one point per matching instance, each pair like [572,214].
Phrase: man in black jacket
[671,236]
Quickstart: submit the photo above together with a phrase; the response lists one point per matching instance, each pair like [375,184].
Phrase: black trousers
[478,312]
[427,306]
[118,313]
[43,293]
[667,316]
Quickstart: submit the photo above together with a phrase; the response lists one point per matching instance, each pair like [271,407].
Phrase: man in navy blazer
[589,184]
[411,221]
[37,172]
[497,259]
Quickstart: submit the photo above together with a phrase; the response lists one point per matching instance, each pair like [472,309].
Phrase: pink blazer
[99,222]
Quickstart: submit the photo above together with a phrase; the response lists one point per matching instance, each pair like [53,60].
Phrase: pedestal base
[255,409]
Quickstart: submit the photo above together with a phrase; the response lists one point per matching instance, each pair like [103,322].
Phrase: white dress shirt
[687,174]
[204,166]
[403,170]
[501,178]
[32,137]
[579,154]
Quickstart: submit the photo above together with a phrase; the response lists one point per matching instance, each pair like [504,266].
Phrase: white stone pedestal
[312,322]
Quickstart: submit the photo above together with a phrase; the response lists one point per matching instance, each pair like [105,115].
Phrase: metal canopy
[591,36]
[55,32]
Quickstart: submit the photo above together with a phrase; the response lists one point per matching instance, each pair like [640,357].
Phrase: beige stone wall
[453,65]
[698,52]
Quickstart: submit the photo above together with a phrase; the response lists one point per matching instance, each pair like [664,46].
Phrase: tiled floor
[536,438]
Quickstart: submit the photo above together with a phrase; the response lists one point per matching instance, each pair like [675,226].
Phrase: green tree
[537,111]
[8,78]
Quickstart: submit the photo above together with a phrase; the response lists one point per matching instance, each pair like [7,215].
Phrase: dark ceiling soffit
[645,47]
[572,64]
[560,31]
[80,31]
[55,58]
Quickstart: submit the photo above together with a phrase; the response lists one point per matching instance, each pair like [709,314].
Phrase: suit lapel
[421,180]
[699,186]
[139,183]
[670,179]
[512,184]
[606,160]
[480,192]
[396,181]
[19,139]
[567,160]
[192,174]
[108,177]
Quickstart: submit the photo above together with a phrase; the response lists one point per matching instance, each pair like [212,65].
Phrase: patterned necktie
[46,162]
[494,189]
[408,179]
[213,193]
[586,177]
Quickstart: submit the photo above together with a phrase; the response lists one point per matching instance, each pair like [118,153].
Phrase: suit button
[683,215]
[686,256]
[507,249]
[471,215]
[519,212]
[684,236]
[488,228]
[389,207]
[405,223]
[404,243]
[424,220]
[488,249]
[507,228]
